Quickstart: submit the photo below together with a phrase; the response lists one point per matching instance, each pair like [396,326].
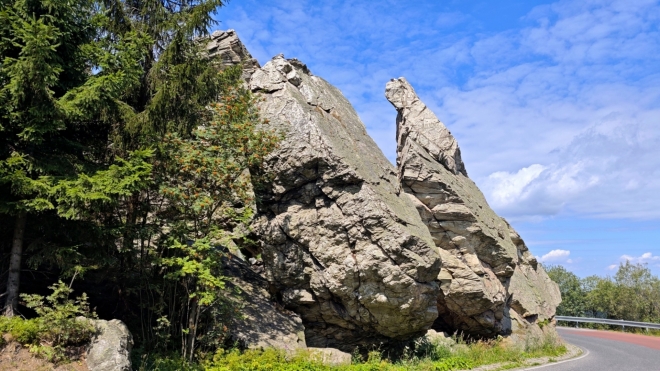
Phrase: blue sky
[555,104]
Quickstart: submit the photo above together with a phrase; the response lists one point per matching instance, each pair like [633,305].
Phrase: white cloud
[612,267]
[555,256]
[508,188]
[559,115]
[642,259]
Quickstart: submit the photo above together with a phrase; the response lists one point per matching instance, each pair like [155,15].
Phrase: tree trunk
[14,278]
[192,329]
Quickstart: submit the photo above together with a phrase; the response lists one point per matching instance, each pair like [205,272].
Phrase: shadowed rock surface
[110,348]
[262,323]
[489,278]
[341,246]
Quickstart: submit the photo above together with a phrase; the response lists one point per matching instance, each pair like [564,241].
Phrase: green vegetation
[424,357]
[127,160]
[632,294]
[56,326]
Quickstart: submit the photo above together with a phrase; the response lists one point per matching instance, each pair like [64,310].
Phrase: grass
[55,329]
[426,357]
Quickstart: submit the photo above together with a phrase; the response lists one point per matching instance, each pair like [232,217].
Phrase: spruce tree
[40,62]
[112,115]
[61,90]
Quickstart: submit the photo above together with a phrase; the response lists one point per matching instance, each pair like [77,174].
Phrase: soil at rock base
[15,357]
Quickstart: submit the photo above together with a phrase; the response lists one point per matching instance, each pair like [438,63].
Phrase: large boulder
[489,277]
[341,246]
[261,323]
[110,348]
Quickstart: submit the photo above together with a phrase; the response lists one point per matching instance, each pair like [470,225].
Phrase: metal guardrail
[615,322]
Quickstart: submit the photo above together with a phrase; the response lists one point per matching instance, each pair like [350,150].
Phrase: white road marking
[585,352]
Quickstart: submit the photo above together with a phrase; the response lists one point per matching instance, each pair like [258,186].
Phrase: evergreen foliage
[127,159]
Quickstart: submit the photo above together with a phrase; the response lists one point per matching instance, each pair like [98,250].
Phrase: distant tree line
[632,294]
[127,160]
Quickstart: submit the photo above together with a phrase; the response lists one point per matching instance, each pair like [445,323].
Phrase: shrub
[60,323]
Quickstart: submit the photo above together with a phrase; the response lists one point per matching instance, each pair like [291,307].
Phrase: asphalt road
[608,351]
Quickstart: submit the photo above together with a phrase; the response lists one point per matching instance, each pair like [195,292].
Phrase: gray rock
[110,348]
[330,356]
[439,338]
[487,270]
[341,245]
[261,323]
[228,47]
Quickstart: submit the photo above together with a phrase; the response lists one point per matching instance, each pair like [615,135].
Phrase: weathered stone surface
[439,338]
[231,51]
[341,246]
[261,323]
[487,270]
[110,348]
[330,356]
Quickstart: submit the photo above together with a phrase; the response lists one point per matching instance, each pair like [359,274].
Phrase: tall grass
[424,357]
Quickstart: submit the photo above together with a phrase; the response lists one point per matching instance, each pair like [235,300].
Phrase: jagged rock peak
[416,121]
[340,245]
[490,282]
[231,51]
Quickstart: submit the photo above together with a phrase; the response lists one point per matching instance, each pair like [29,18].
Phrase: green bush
[61,322]
[424,356]
[57,323]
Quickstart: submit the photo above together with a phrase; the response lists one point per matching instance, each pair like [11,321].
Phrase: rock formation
[110,349]
[340,245]
[355,247]
[489,278]
[261,323]
[230,50]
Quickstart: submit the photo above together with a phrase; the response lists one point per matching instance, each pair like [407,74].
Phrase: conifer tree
[113,115]
[62,84]
[40,62]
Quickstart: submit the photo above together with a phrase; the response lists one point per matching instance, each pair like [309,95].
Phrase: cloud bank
[557,115]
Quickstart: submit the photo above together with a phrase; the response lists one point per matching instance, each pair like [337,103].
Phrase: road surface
[608,351]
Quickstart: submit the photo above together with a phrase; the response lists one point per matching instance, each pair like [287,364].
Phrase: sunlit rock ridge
[490,282]
[370,255]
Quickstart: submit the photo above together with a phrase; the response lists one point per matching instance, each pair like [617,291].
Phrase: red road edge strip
[643,340]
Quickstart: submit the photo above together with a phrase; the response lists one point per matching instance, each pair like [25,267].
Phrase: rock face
[353,246]
[228,47]
[261,324]
[111,347]
[341,246]
[330,356]
[488,277]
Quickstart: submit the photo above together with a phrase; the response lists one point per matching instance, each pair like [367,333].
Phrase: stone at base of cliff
[439,338]
[110,349]
[531,334]
[330,356]
[261,323]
